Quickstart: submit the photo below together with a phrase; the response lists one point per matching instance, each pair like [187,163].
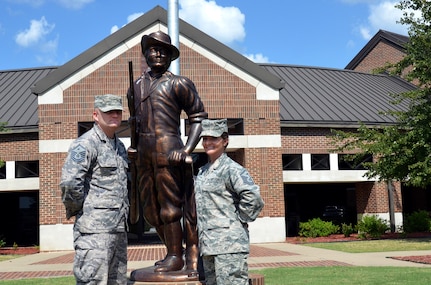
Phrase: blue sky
[323,33]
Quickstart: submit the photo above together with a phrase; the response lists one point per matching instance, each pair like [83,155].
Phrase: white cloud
[114,29]
[35,34]
[225,24]
[383,15]
[133,17]
[257,58]
[130,18]
[365,33]
[36,37]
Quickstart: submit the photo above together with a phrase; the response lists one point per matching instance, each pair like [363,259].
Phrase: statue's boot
[161,233]
[192,255]
[174,259]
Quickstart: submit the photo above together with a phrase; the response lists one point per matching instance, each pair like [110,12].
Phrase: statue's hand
[177,157]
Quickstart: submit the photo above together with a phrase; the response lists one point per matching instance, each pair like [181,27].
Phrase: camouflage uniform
[226,200]
[94,189]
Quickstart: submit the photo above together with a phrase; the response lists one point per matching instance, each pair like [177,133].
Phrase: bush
[2,241]
[347,229]
[418,221]
[317,228]
[372,227]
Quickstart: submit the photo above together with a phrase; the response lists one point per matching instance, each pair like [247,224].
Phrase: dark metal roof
[156,15]
[335,97]
[18,106]
[395,40]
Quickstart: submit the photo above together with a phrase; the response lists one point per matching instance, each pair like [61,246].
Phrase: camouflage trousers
[223,269]
[100,258]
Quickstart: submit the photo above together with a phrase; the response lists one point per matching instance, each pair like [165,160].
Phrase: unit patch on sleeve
[78,153]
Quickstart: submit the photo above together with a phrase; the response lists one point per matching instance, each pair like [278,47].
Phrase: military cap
[108,102]
[213,128]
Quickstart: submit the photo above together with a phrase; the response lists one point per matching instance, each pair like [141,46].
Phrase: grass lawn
[346,275]
[381,245]
[9,256]
[337,275]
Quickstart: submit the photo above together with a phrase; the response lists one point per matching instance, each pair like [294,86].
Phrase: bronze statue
[164,180]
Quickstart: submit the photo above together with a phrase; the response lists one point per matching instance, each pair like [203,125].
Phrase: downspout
[391,205]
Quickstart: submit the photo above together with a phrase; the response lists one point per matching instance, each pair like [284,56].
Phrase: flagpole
[173,31]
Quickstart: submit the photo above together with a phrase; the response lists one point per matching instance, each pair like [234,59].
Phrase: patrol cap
[108,102]
[213,128]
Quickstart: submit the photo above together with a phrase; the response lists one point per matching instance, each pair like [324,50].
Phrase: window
[235,126]
[292,161]
[320,162]
[345,162]
[25,169]
[3,171]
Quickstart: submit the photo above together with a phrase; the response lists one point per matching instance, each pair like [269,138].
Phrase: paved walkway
[267,255]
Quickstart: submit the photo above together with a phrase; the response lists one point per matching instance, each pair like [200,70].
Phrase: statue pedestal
[147,276]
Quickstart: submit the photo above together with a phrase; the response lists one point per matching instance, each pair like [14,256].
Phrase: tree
[402,151]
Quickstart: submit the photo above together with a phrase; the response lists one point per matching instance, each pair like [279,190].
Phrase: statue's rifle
[132,150]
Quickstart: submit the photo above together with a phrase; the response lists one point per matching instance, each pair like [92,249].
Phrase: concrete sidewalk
[267,255]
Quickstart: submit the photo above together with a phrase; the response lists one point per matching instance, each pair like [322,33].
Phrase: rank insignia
[78,153]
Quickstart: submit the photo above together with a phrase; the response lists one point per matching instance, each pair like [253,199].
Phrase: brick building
[279,120]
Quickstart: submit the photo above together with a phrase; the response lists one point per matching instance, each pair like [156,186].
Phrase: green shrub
[418,221]
[347,229]
[372,227]
[317,228]
[2,241]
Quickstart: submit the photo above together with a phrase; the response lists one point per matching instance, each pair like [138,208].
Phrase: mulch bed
[353,237]
[18,250]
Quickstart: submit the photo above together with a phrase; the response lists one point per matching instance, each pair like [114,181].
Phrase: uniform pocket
[218,223]
[108,165]
[87,265]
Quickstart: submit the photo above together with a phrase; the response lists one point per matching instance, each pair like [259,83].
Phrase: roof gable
[146,21]
[397,41]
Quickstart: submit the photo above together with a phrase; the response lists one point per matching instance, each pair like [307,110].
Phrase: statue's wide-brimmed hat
[159,38]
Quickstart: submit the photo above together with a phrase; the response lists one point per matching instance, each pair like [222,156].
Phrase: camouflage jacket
[226,200]
[94,183]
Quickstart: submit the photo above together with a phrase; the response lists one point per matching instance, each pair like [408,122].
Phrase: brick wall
[224,96]
[381,54]
[19,147]
[305,140]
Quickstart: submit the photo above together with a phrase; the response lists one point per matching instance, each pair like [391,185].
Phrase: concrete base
[254,279]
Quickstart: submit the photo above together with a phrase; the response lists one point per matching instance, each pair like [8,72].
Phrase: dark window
[292,161]
[122,132]
[235,127]
[320,162]
[3,171]
[346,162]
[24,169]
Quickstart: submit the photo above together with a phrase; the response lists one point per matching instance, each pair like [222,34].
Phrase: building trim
[235,142]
